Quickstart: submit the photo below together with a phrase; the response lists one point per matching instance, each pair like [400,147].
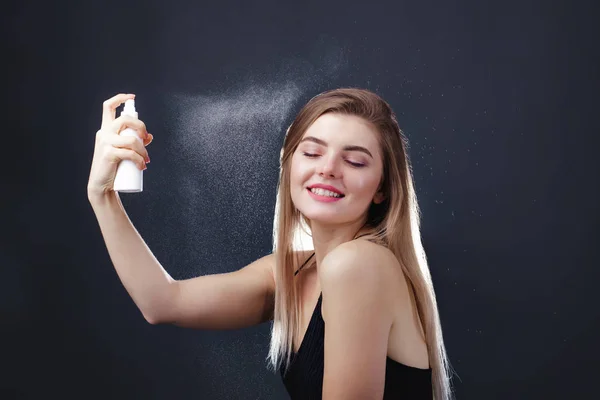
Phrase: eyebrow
[346,148]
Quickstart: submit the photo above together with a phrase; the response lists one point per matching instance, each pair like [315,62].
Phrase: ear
[378,198]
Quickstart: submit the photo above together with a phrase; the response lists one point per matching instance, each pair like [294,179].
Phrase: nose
[329,167]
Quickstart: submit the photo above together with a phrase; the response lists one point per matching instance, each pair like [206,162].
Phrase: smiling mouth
[339,195]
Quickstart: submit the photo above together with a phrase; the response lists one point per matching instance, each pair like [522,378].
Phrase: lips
[326,187]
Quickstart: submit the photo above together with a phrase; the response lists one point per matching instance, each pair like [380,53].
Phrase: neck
[326,238]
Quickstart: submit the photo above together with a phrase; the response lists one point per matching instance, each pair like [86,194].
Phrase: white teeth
[323,192]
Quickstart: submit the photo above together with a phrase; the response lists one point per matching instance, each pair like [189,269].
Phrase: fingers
[118,154]
[126,121]
[109,108]
[148,139]
[130,143]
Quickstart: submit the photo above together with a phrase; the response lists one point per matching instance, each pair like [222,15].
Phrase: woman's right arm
[218,301]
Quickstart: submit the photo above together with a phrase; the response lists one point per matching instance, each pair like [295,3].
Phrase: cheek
[293,171]
[364,184]
[298,171]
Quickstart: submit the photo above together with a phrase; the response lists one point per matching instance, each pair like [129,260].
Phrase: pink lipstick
[324,199]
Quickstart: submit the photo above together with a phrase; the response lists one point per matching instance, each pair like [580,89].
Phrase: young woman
[346,176]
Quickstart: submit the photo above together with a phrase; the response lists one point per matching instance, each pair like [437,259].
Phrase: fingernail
[147,160]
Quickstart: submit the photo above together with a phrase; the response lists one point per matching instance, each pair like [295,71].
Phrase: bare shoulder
[358,282]
[361,257]
[360,265]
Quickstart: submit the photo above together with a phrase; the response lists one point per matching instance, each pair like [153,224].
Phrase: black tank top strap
[305,262]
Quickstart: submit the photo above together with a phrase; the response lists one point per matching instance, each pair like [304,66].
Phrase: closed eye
[358,165]
[309,155]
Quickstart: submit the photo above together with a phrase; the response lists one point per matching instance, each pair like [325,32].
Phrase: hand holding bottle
[111,148]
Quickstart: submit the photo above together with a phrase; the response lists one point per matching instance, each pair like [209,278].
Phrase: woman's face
[340,151]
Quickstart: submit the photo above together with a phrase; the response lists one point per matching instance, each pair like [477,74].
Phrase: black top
[304,378]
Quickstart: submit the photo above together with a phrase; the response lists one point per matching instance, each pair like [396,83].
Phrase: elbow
[155,318]
[158,316]
[152,320]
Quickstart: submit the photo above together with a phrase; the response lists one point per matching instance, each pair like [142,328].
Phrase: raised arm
[219,301]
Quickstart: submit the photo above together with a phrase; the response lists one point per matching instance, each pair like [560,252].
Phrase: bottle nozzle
[129,105]
[129,108]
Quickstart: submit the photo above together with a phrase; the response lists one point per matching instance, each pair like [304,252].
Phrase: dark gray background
[496,99]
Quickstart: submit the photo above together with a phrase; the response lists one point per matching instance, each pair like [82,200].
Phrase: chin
[323,214]
[322,217]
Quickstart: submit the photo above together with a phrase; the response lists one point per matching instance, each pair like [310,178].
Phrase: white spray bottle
[129,178]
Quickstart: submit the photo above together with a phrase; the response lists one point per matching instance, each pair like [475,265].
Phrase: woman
[345,174]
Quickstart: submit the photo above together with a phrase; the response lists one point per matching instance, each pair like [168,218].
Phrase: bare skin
[406,342]
[218,301]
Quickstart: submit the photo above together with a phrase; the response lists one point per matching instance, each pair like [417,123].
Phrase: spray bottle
[129,178]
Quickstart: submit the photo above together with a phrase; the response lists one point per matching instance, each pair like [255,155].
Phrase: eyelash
[358,165]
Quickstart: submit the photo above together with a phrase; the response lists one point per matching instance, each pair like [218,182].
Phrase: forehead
[344,129]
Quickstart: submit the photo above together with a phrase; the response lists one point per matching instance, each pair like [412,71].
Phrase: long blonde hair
[395,223]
